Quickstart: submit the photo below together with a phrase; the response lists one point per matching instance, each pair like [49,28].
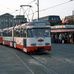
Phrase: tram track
[49,63]
[25,64]
[21,61]
[41,64]
[47,69]
[19,55]
[59,59]
[40,59]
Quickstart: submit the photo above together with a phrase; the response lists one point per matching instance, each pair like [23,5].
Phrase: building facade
[51,19]
[68,20]
[20,19]
[8,20]
[63,33]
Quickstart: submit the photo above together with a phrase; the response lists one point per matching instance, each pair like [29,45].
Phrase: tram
[1,38]
[29,37]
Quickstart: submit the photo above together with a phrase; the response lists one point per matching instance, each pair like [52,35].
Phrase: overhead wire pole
[38,8]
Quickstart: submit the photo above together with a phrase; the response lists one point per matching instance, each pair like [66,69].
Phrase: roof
[6,14]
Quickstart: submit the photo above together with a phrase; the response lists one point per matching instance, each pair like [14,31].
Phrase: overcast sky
[10,6]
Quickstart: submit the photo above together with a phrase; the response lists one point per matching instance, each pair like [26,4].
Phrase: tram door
[73,37]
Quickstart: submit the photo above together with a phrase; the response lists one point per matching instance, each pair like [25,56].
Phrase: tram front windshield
[38,32]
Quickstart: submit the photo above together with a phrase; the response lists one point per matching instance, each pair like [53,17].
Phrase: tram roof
[0,30]
[33,24]
[10,28]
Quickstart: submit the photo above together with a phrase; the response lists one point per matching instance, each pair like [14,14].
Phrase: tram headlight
[33,44]
[47,43]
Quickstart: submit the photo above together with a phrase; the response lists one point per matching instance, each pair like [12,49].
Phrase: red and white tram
[29,37]
[1,38]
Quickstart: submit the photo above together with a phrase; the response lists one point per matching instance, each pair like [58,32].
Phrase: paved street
[59,61]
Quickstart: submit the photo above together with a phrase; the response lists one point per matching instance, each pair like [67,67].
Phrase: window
[38,32]
[20,32]
[7,33]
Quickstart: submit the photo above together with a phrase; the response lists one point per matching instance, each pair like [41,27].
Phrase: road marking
[24,64]
[22,61]
[69,61]
[43,64]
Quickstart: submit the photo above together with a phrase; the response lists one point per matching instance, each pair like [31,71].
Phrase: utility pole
[38,8]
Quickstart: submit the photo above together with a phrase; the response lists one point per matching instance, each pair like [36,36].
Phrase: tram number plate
[40,43]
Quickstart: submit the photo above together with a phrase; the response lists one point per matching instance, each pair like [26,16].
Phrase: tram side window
[23,33]
[17,32]
[4,33]
[20,33]
[7,33]
[0,33]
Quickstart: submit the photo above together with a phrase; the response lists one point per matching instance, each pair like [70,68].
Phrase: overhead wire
[49,7]
[53,6]
[27,14]
[32,1]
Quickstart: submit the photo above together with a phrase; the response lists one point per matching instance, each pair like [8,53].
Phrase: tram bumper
[33,49]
